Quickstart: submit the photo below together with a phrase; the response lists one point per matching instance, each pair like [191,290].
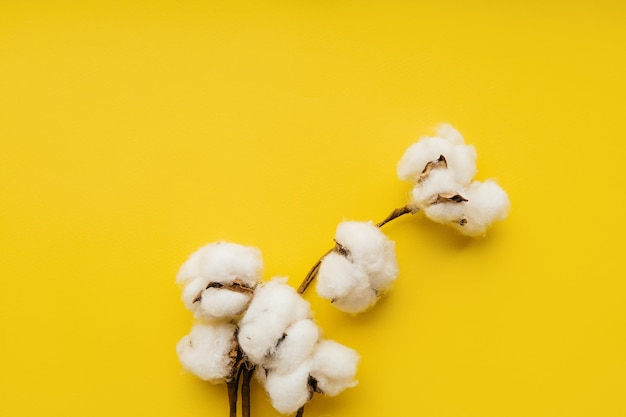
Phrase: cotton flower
[362,267]
[219,279]
[441,169]
[209,351]
[273,309]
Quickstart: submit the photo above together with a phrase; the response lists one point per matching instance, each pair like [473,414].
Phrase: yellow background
[132,132]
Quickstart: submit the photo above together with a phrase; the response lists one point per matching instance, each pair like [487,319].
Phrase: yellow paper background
[133,132]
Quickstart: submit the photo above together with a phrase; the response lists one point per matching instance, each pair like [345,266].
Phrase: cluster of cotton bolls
[360,269]
[268,325]
[219,281]
[441,169]
[279,336]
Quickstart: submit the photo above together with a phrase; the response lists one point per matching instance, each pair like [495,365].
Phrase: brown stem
[233,386]
[313,271]
[300,412]
[248,371]
[395,214]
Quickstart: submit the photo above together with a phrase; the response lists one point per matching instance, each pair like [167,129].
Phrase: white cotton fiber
[355,277]
[205,352]
[338,277]
[295,347]
[363,240]
[487,203]
[191,294]
[460,158]
[334,367]
[439,181]
[289,391]
[357,301]
[370,249]
[219,303]
[446,213]
[223,262]
[383,277]
[447,131]
[273,308]
[367,246]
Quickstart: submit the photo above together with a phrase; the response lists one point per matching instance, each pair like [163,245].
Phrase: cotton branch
[310,276]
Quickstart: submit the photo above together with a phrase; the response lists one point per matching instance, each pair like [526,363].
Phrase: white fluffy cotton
[218,303]
[357,301]
[460,158]
[191,293]
[353,280]
[334,367]
[370,249]
[223,262]
[295,346]
[274,307]
[487,202]
[289,391]
[338,277]
[439,181]
[205,351]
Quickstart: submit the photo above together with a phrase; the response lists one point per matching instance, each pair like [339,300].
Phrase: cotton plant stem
[248,371]
[314,270]
[395,214]
[312,273]
[233,387]
[300,412]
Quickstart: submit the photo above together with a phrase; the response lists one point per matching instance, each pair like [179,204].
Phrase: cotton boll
[289,391]
[217,303]
[446,131]
[460,158]
[337,277]
[446,213]
[487,203]
[223,262]
[206,351]
[353,280]
[334,367]
[280,299]
[439,181]
[273,308]
[386,272]
[295,347]
[191,293]
[190,270]
[257,338]
[364,241]
[421,153]
[357,301]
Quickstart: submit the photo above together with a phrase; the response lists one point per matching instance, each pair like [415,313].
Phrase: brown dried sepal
[314,385]
[237,286]
[234,357]
[447,198]
[341,250]
[439,163]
